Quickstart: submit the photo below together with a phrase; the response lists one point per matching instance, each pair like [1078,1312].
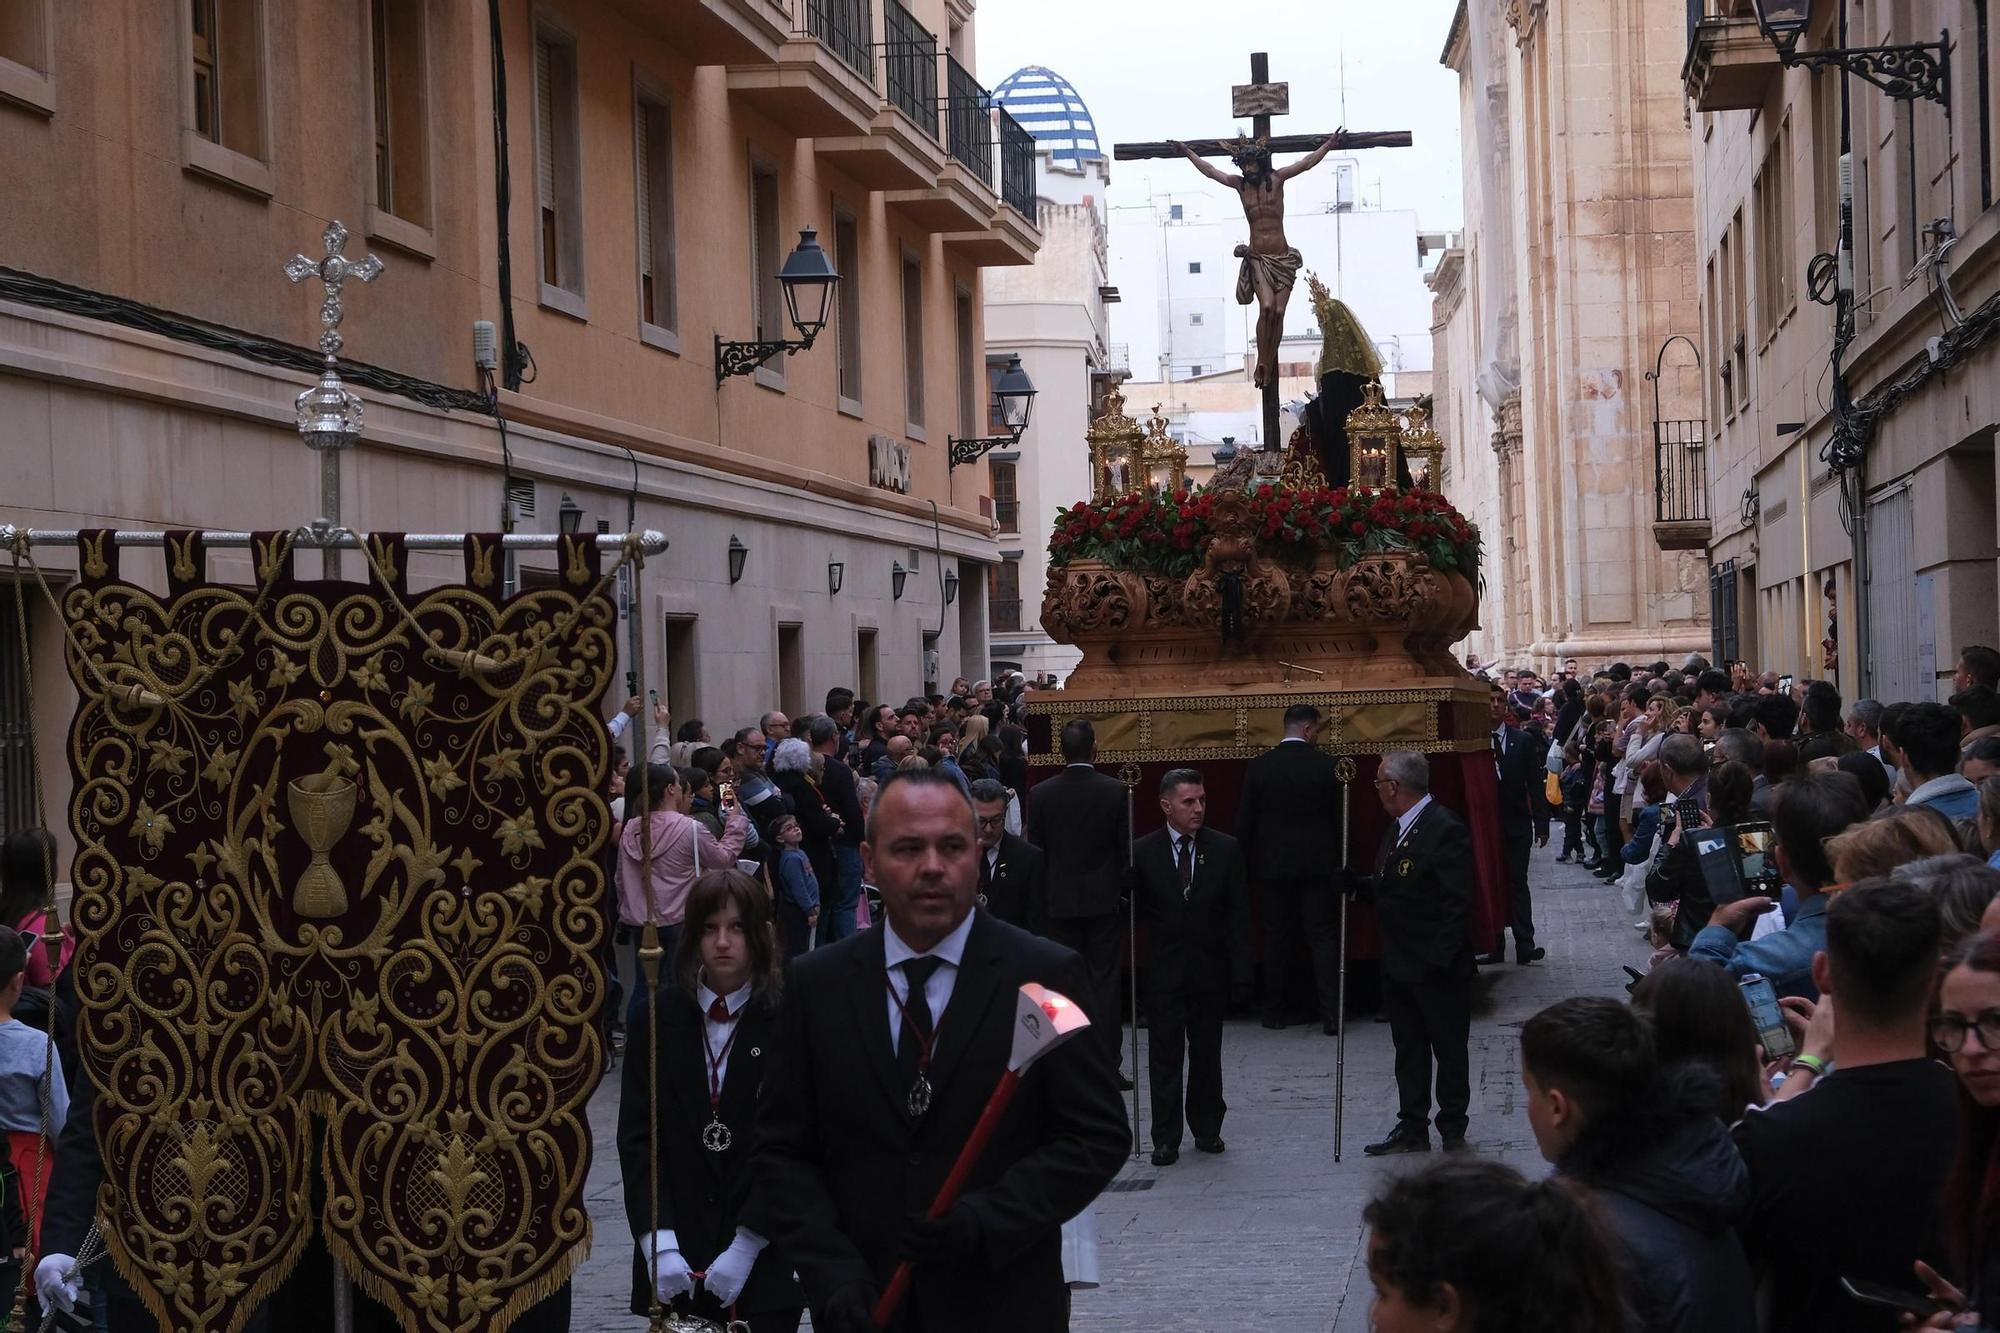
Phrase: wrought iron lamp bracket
[742,358]
[1906,72]
[961,452]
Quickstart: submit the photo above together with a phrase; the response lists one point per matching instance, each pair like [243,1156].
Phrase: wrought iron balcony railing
[911,54]
[1680,471]
[969,120]
[846,28]
[1017,166]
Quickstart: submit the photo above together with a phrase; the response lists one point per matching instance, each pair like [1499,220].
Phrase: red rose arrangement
[1162,533]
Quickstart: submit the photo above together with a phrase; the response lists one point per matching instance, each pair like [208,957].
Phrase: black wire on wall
[49,294]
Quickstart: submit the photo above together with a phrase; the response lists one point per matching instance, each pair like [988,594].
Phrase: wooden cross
[1260,99]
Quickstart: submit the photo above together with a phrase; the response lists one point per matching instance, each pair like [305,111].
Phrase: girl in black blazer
[715,1022]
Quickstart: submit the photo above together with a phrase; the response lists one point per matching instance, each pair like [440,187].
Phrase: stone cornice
[1453,54]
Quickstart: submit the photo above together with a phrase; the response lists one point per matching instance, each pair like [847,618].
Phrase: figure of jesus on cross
[1270,264]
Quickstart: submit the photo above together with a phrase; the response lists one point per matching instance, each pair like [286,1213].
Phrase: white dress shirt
[1409,817]
[937,991]
[718,1033]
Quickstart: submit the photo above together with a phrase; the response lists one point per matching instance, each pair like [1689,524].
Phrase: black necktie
[1184,862]
[985,875]
[914,1039]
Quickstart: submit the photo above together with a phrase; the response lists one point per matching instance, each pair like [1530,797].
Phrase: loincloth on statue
[1266,279]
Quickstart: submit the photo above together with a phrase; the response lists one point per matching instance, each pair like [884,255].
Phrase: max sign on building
[889,463]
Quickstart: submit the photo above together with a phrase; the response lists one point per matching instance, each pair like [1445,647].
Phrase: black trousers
[1572,830]
[1518,846]
[1294,907]
[1096,938]
[1431,1021]
[1185,1016]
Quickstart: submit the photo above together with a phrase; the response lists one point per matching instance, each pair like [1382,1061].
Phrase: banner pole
[1344,769]
[1129,775]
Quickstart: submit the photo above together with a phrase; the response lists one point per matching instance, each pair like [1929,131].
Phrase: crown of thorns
[1250,150]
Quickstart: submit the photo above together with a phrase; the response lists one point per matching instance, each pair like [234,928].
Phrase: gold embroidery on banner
[425,981]
[94,564]
[482,563]
[384,552]
[579,571]
[180,550]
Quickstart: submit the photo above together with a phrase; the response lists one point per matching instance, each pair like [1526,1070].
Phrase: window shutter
[643,125]
[545,127]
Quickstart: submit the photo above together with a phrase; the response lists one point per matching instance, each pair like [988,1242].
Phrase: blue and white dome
[1049,109]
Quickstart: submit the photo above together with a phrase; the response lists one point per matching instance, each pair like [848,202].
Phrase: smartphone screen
[1889,1298]
[1762,997]
[1753,847]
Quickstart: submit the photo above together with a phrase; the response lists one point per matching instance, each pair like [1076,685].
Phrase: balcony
[1730,64]
[1680,485]
[716,32]
[1010,236]
[968,120]
[822,82]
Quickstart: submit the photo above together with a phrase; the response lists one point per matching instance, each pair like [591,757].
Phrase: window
[1195,319]
[1826,159]
[1004,603]
[1006,494]
[399,65]
[653,165]
[24,54]
[1739,322]
[968,381]
[913,342]
[1173,212]
[1716,358]
[1194,266]
[847,330]
[996,419]
[225,135]
[867,666]
[767,299]
[1771,199]
[683,681]
[558,182]
[1196,370]
[791,668]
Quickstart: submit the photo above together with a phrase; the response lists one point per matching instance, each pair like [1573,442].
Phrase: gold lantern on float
[1163,461]
[1117,448]
[1423,445]
[1373,430]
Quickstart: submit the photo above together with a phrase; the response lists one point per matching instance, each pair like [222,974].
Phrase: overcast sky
[1162,69]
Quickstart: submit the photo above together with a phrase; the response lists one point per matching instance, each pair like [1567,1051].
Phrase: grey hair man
[1422,890]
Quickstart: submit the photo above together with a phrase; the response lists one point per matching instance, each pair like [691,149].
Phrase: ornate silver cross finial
[333,270]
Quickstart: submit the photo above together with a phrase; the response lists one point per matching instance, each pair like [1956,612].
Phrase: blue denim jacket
[1785,957]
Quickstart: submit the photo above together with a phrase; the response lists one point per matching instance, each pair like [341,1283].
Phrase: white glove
[57,1282]
[671,1277]
[731,1269]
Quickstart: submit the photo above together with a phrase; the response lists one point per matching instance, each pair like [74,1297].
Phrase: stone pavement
[1268,1235]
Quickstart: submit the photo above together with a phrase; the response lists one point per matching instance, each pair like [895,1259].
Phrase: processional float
[1204,612]
[339,893]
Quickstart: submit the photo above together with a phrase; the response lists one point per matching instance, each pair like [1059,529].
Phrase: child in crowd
[28,1074]
[798,887]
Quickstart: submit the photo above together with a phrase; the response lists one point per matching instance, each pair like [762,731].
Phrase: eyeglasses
[1948,1031]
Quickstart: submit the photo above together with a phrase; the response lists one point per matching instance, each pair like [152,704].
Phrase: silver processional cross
[329,414]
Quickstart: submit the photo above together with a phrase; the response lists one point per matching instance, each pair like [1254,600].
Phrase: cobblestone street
[1267,1235]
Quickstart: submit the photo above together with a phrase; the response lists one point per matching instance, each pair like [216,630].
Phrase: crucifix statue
[1270,264]
[329,413]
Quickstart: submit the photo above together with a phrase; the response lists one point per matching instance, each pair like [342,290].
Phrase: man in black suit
[1422,890]
[889,1044]
[1287,825]
[1012,885]
[1517,761]
[1081,819]
[1194,899]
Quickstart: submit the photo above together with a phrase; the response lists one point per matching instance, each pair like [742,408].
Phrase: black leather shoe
[1124,1083]
[1166,1156]
[1455,1143]
[1489,959]
[1330,1028]
[1210,1145]
[1273,1021]
[1534,955]
[1399,1141]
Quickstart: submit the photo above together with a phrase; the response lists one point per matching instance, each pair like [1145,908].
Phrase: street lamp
[950,586]
[738,553]
[569,516]
[898,576]
[836,574]
[807,279]
[1905,72]
[1014,402]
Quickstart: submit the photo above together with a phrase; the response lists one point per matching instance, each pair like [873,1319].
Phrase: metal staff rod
[314,538]
[1344,770]
[1130,775]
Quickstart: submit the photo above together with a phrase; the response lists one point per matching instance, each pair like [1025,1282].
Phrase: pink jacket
[675,841]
